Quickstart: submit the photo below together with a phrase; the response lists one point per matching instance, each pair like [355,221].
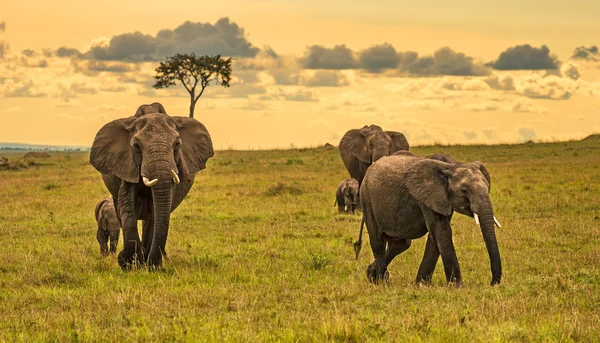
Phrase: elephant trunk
[162,199]
[114,240]
[486,222]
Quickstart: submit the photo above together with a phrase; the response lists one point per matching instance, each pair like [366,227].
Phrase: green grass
[257,252]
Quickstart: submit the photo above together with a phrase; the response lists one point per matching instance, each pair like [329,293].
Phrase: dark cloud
[379,57]
[67,52]
[526,57]
[3,26]
[320,57]
[133,47]
[114,67]
[28,53]
[327,78]
[297,95]
[3,48]
[224,38]
[444,61]
[586,53]
[286,77]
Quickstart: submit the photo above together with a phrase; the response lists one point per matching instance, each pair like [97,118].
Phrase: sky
[305,72]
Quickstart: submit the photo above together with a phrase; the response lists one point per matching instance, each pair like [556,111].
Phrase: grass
[257,252]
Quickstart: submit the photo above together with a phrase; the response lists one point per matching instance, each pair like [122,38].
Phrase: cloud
[66,103]
[483,106]
[491,134]
[67,52]
[2,26]
[527,107]
[294,95]
[526,57]
[501,82]
[526,134]
[326,78]
[224,37]
[286,77]
[107,108]
[320,57]
[553,87]
[470,135]
[379,57]
[570,70]
[444,61]
[26,88]
[93,67]
[3,48]
[586,53]
[11,110]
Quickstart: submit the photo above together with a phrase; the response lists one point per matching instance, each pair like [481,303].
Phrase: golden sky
[461,71]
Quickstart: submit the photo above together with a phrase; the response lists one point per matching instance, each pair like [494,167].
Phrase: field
[257,252]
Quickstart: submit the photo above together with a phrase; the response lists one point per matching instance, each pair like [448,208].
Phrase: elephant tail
[358,244]
[335,202]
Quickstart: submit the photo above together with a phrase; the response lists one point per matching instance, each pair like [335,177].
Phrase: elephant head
[108,226]
[158,151]
[464,188]
[361,147]
[351,193]
[154,107]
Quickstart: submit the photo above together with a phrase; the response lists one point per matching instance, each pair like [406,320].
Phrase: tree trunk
[192,104]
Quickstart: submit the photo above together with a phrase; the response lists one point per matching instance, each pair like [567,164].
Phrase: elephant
[404,196]
[361,147]
[154,107]
[148,163]
[109,226]
[346,196]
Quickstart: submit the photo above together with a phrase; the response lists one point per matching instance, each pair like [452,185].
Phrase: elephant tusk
[148,182]
[476,218]
[175,177]
[497,223]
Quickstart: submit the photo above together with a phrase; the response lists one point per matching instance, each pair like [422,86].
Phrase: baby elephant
[108,225]
[346,196]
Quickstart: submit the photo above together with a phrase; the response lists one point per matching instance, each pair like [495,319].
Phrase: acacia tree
[193,71]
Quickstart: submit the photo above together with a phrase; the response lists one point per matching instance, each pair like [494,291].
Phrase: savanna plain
[257,252]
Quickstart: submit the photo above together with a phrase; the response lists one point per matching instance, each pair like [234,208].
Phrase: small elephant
[154,107]
[404,196]
[108,226]
[361,147]
[346,196]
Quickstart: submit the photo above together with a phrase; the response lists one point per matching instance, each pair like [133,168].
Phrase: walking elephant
[108,226]
[404,196]
[346,196]
[361,147]
[148,163]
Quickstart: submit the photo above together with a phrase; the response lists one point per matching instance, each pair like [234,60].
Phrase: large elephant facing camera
[359,148]
[148,163]
[404,196]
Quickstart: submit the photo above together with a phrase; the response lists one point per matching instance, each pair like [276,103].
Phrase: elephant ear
[427,181]
[111,152]
[196,146]
[355,143]
[97,210]
[485,173]
[399,142]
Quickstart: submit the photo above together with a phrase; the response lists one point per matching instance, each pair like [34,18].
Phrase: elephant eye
[464,191]
[177,144]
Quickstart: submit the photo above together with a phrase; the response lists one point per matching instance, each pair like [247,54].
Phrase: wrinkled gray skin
[346,196]
[361,147]
[152,145]
[154,107]
[108,226]
[403,197]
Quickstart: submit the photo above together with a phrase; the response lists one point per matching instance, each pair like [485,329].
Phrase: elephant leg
[147,235]
[376,271]
[102,238]
[395,247]
[430,257]
[439,226]
[132,247]
[340,208]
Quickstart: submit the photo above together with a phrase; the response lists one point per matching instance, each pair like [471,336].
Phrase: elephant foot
[129,261]
[423,280]
[155,260]
[375,276]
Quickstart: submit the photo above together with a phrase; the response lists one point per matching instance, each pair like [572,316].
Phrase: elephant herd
[148,163]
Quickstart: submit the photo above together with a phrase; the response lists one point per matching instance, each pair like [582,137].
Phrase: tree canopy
[193,71]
